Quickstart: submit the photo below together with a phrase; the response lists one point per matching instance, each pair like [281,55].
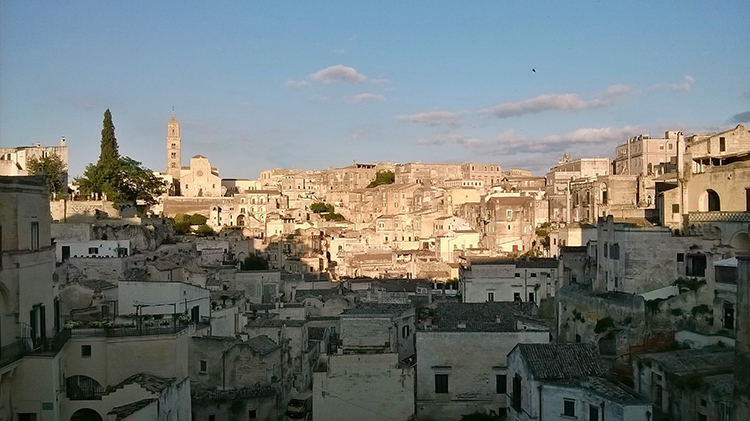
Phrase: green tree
[254,262]
[53,169]
[121,179]
[197,219]
[383,177]
[109,155]
[204,231]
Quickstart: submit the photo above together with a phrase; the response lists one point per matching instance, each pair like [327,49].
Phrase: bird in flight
[533,70]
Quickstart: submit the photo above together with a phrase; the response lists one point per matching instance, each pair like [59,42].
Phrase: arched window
[714,203]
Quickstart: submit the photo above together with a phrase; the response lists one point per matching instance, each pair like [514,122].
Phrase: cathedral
[199,179]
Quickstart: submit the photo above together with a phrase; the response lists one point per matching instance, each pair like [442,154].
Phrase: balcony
[114,332]
[39,346]
[718,216]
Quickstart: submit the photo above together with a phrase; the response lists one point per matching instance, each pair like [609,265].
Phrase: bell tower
[174,161]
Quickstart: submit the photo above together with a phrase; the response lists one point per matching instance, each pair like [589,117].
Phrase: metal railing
[33,346]
[110,332]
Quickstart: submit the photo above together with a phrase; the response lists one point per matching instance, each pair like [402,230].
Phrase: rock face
[145,237]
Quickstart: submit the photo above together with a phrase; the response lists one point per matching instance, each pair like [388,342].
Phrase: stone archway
[86,414]
[740,241]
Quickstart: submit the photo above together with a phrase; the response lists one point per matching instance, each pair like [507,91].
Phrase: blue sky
[312,85]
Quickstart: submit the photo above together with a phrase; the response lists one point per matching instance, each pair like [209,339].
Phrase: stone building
[489,174]
[567,381]
[742,345]
[644,155]
[557,182]
[241,376]
[687,384]
[462,352]
[502,279]
[369,378]
[15,161]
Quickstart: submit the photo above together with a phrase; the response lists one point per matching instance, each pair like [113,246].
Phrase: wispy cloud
[742,117]
[432,118]
[297,84]
[685,85]
[381,81]
[338,73]
[450,139]
[589,140]
[367,97]
[558,102]
[746,94]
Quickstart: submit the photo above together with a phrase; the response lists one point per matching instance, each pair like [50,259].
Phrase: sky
[320,84]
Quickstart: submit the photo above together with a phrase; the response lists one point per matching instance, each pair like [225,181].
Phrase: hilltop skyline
[258,86]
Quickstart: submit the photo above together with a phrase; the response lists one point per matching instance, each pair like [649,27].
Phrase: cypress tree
[109,156]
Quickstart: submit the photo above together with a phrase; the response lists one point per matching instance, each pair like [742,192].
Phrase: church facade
[199,179]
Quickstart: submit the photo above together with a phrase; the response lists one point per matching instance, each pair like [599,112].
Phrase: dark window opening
[500,383]
[203,366]
[441,383]
[85,351]
[722,144]
[594,411]
[680,257]
[569,408]
[516,398]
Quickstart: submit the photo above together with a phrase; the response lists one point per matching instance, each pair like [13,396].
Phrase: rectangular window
[212,418]
[203,366]
[35,235]
[441,383]
[516,398]
[722,144]
[531,297]
[252,414]
[676,208]
[680,257]
[569,408]
[490,296]
[533,275]
[516,296]
[594,411]
[93,250]
[606,249]
[518,275]
[85,351]
[501,383]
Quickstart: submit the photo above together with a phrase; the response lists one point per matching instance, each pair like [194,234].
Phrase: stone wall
[363,387]
[85,211]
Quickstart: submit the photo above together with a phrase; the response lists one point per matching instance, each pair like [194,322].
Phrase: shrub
[254,262]
[383,177]
[676,312]
[182,227]
[197,219]
[321,207]
[204,230]
[181,217]
[603,324]
[691,284]
[701,309]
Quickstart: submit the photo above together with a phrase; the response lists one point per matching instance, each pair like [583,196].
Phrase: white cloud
[559,102]
[297,84]
[367,97]
[586,140]
[683,86]
[432,118]
[450,139]
[338,73]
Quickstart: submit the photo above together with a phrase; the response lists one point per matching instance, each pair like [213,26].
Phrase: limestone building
[645,155]
[15,161]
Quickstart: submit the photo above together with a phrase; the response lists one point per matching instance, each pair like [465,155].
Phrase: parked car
[300,405]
